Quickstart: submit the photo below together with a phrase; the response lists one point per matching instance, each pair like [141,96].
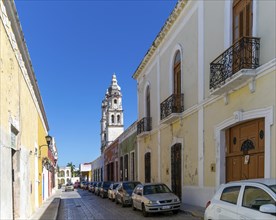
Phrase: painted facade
[111,163]
[204,93]
[97,167]
[85,171]
[127,154]
[23,122]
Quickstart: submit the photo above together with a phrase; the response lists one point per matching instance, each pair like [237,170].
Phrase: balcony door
[242,27]
[177,74]
[242,19]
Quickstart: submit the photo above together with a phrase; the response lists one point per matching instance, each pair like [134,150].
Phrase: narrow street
[85,205]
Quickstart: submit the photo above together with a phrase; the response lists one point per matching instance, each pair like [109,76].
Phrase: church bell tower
[112,121]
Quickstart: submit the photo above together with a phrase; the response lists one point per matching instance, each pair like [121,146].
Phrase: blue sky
[75,47]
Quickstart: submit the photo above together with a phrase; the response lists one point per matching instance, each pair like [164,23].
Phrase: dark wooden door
[147,168]
[176,169]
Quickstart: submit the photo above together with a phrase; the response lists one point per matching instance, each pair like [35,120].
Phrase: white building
[64,175]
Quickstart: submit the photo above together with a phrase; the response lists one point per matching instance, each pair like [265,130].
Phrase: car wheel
[133,207]
[123,204]
[175,212]
[145,213]
[116,200]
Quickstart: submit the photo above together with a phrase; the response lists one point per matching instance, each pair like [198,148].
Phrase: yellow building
[23,122]
[206,98]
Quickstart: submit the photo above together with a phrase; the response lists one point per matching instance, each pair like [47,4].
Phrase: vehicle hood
[161,196]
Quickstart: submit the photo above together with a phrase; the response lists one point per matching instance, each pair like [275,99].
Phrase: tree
[72,166]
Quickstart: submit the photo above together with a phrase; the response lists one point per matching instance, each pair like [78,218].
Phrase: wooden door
[245,151]
[176,169]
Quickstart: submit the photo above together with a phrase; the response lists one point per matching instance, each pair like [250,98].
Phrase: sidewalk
[51,204]
[195,211]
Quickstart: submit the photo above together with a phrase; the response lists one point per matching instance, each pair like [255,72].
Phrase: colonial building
[64,175]
[206,98]
[111,163]
[127,154]
[24,152]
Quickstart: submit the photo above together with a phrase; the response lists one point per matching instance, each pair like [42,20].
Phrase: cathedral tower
[112,121]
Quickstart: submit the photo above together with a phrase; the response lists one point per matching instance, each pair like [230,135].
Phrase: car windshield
[154,189]
[106,184]
[130,186]
[115,186]
[273,187]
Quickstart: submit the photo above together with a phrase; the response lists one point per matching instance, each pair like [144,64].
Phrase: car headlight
[176,200]
[126,194]
[152,202]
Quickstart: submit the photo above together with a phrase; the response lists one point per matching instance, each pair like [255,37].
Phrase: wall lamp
[48,140]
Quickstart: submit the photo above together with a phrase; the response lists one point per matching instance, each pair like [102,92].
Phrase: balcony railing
[144,125]
[244,54]
[173,104]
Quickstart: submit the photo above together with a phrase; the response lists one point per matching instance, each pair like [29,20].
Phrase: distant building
[64,175]
[85,171]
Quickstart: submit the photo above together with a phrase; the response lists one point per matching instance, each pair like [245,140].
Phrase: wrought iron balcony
[173,104]
[244,54]
[143,126]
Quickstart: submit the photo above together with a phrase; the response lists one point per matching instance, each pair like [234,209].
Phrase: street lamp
[48,140]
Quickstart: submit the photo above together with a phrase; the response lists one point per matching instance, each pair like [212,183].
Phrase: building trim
[240,116]
[19,47]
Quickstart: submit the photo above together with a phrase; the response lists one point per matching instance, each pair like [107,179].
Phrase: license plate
[166,207]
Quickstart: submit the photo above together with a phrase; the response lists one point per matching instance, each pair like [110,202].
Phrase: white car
[153,198]
[245,199]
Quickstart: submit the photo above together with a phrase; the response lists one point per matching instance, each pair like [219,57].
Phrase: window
[230,194]
[118,119]
[177,74]
[112,119]
[148,101]
[254,197]
[115,101]
[14,133]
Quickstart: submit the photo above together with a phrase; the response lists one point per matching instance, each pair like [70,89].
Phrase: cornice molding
[160,37]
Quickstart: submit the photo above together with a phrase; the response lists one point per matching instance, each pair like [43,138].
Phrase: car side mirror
[268,208]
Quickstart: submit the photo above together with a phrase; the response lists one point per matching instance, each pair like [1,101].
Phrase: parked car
[124,191]
[83,184]
[246,199]
[90,184]
[77,184]
[103,189]
[153,198]
[69,187]
[111,191]
[93,187]
[97,188]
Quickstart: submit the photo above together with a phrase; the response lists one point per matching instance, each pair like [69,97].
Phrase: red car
[77,185]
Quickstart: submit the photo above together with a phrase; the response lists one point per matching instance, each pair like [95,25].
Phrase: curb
[52,210]
[194,214]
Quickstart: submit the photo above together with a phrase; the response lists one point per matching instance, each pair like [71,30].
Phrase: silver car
[111,191]
[154,197]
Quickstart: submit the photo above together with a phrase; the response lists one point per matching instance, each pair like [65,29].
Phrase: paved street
[85,205]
